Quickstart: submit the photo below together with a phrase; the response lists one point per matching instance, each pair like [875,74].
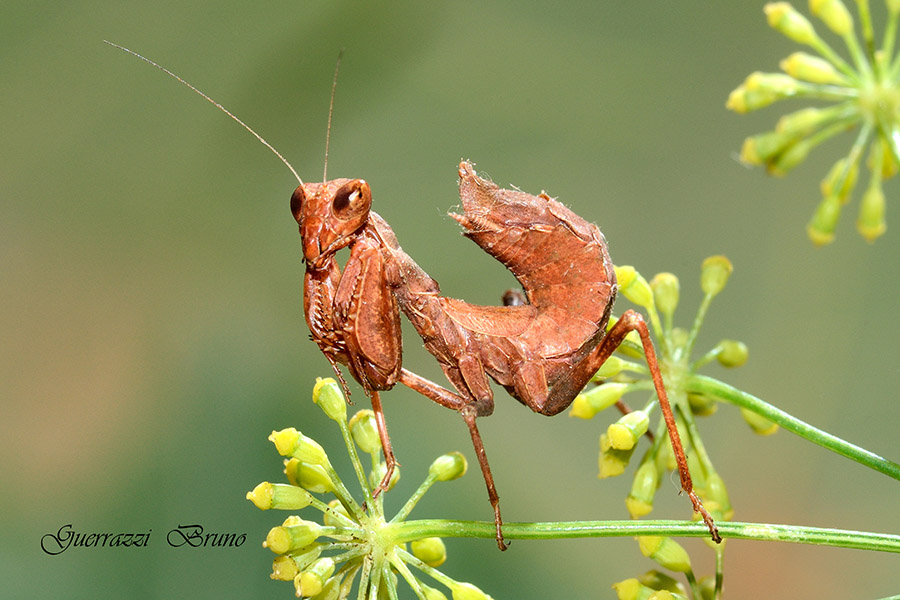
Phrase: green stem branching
[707,385]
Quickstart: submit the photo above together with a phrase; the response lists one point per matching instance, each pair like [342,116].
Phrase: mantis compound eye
[352,200]
[297,200]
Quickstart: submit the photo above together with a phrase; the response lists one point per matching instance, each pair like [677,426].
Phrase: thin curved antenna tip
[331,113]
[210,100]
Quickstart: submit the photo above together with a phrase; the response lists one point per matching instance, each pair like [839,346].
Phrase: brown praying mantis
[542,352]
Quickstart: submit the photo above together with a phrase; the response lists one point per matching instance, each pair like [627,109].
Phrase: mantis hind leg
[633,321]
[469,412]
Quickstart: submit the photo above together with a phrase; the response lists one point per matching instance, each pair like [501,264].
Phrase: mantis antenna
[330,113]
[225,110]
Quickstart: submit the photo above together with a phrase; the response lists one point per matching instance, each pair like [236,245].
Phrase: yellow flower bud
[612,367]
[708,587]
[625,433]
[660,581]
[285,538]
[365,431]
[759,424]
[665,291]
[834,14]
[467,591]
[633,589]
[312,478]
[331,590]
[589,403]
[784,18]
[581,408]
[287,566]
[283,568]
[290,442]
[742,100]
[870,223]
[792,156]
[643,488]
[328,395]
[829,185]
[630,589]
[666,552]
[780,84]
[430,551]
[821,227]
[633,286]
[311,581]
[732,353]
[625,275]
[280,496]
[714,274]
[801,123]
[702,406]
[612,462]
[432,594]
[448,466]
[810,68]
[762,148]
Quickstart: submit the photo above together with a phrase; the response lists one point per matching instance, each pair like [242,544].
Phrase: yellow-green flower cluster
[621,375]
[355,544]
[865,95]
[625,373]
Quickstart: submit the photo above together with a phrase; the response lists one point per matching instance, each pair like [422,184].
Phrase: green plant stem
[354,459]
[720,570]
[865,23]
[839,538]
[695,328]
[695,585]
[414,499]
[712,387]
[697,443]
[404,571]
[890,34]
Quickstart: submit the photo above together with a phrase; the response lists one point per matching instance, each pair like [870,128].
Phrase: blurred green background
[152,329]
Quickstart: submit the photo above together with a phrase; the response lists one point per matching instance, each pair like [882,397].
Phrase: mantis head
[330,214]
